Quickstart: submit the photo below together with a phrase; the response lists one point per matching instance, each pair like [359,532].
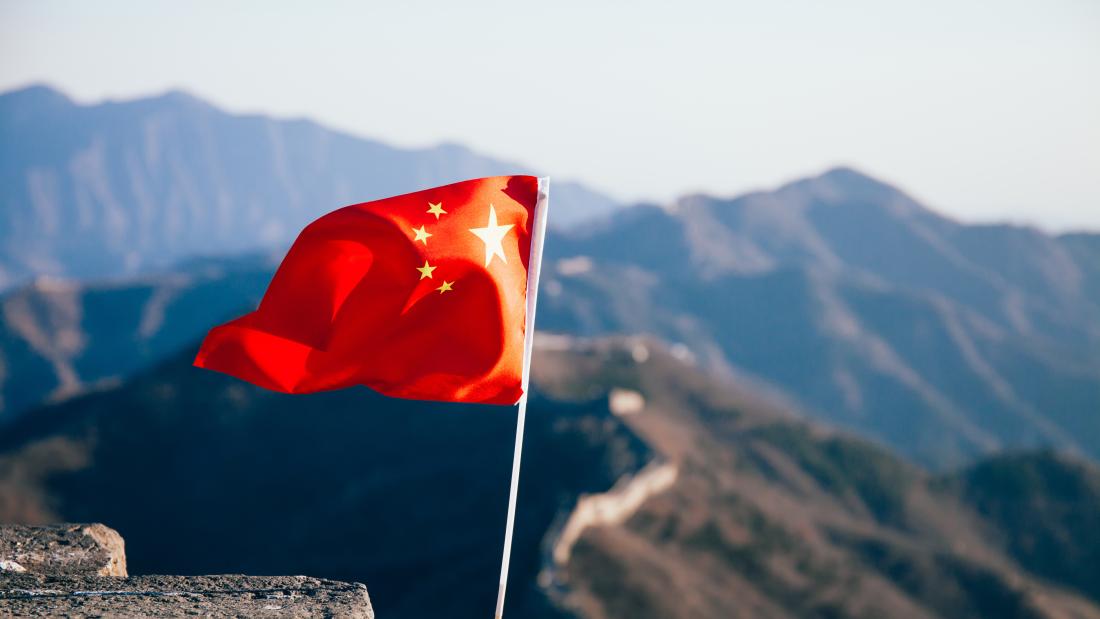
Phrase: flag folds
[417,296]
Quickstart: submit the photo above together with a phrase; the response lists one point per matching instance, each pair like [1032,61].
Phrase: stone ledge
[36,595]
[62,550]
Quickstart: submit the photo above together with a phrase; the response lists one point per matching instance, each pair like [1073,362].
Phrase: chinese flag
[417,296]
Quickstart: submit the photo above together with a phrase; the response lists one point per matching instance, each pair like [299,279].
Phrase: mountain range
[120,188]
[941,340]
[821,400]
[866,309]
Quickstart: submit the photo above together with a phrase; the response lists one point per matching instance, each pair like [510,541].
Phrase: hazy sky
[984,110]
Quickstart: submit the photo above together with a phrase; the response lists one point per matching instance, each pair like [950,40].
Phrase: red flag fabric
[417,296]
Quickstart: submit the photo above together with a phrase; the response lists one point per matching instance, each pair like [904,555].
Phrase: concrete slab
[36,595]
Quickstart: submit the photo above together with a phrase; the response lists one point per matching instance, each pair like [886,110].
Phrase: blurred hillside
[756,513]
[772,517]
[870,311]
[60,338]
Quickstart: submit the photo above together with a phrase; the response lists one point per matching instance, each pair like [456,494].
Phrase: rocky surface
[79,570]
[36,595]
[62,550]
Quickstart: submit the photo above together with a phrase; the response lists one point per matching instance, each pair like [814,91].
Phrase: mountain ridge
[130,186]
[870,309]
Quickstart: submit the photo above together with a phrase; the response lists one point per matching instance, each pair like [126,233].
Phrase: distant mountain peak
[34,90]
[848,180]
[837,184]
[175,100]
[31,97]
[845,185]
[177,95]
[849,174]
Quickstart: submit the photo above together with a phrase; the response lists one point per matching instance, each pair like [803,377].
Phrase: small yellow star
[426,270]
[446,287]
[421,235]
[436,209]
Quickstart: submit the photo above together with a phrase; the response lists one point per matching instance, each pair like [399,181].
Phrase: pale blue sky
[984,110]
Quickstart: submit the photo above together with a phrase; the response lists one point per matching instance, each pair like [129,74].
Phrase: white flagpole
[538,235]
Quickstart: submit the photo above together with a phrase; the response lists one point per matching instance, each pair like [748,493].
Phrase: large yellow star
[421,235]
[493,237]
[446,287]
[436,209]
[426,270]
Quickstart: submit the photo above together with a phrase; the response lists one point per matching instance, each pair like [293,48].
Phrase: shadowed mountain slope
[1045,508]
[60,338]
